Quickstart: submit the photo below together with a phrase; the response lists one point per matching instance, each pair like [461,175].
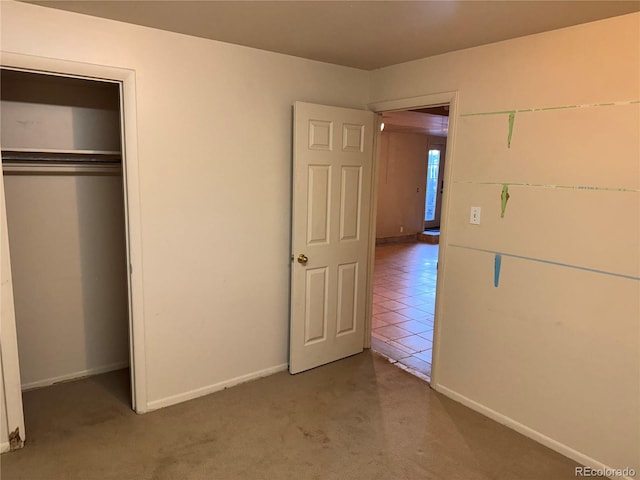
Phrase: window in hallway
[403,305]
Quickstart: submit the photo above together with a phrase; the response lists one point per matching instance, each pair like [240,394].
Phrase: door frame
[130,177]
[423,101]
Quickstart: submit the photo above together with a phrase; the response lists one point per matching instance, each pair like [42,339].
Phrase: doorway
[411,191]
[62,153]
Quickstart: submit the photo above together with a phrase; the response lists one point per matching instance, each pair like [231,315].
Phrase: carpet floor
[359,418]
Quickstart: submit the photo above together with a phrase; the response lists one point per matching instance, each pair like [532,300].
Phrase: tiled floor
[403,305]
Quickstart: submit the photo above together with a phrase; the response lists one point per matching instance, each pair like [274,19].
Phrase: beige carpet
[360,418]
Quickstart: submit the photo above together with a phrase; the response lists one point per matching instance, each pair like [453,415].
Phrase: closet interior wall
[62,172]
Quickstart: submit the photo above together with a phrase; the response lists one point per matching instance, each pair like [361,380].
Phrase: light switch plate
[475,216]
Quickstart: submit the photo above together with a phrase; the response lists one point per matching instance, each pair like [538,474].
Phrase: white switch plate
[475,216]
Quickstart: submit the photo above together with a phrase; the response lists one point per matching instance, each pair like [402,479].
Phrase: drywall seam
[549,262]
[75,375]
[593,188]
[523,429]
[546,109]
[200,392]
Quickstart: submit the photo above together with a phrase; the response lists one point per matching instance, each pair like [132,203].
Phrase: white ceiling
[360,34]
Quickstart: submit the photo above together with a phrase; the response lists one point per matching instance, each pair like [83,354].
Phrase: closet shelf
[59,151]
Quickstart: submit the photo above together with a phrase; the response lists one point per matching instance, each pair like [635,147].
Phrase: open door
[11,394]
[332,171]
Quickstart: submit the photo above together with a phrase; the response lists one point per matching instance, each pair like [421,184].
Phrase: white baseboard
[199,392]
[73,376]
[524,430]
[5,447]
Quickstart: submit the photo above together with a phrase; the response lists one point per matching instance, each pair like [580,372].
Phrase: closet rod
[21,162]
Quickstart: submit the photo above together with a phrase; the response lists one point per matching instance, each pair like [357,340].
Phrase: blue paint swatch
[550,262]
[497,263]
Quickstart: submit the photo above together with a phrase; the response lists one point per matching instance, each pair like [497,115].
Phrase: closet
[62,173]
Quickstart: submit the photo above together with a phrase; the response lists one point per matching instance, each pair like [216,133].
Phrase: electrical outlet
[475,216]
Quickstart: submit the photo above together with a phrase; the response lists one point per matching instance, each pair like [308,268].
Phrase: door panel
[318,201]
[315,325]
[350,203]
[347,297]
[10,382]
[332,169]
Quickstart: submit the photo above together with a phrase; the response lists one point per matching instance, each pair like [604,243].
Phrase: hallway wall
[402,174]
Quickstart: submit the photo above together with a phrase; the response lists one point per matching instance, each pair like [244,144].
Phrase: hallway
[404,305]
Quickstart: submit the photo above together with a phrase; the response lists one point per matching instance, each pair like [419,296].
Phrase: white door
[10,384]
[332,171]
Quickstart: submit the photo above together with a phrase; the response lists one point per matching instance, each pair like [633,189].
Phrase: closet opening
[62,161]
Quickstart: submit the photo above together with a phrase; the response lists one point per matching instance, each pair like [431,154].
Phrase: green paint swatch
[504,198]
[558,107]
[593,188]
[512,119]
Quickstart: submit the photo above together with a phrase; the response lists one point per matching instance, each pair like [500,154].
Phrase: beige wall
[214,152]
[402,173]
[553,351]
[68,259]
[58,127]
[46,112]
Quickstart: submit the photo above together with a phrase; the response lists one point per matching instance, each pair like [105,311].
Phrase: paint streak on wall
[512,119]
[497,265]
[504,198]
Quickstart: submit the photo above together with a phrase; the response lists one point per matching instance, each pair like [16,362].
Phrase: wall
[214,153]
[68,259]
[47,112]
[553,351]
[401,183]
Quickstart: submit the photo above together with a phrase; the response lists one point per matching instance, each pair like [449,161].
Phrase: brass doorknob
[303,259]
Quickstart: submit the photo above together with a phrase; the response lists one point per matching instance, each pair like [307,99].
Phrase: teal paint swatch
[497,265]
[548,262]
